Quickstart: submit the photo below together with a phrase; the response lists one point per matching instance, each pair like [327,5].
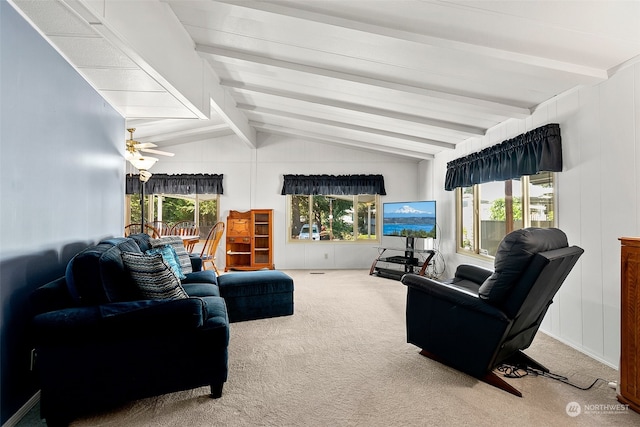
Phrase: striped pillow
[154,278]
[178,246]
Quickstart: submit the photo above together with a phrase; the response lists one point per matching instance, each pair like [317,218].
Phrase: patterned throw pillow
[170,257]
[178,246]
[154,278]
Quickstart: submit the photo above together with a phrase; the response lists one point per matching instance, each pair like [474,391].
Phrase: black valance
[176,184]
[527,154]
[332,184]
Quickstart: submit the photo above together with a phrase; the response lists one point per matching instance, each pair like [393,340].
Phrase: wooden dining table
[189,241]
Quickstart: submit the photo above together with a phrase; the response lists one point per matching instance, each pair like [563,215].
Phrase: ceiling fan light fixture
[143,163]
[145,175]
[134,147]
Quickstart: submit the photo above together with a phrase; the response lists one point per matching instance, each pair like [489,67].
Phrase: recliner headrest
[514,255]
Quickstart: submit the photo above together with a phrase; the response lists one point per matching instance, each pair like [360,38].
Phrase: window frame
[151,205]
[356,240]
[525,183]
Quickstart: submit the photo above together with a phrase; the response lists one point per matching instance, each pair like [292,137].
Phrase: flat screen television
[409,219]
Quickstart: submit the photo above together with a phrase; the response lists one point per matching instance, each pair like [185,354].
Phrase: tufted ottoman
[251,295]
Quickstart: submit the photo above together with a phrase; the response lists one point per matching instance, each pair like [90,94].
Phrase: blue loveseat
[99,343]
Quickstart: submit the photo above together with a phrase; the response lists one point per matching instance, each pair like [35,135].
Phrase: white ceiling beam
[342,125]
[137,28]
[120,23]
[468,102]
[411,118]
[325,139]
[224,104]
[468,48]
[188,135]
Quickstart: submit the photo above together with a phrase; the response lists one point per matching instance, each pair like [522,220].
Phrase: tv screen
[409,219]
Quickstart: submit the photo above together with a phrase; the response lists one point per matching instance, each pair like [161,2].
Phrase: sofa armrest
[52,296]
[196,262]
[119,320]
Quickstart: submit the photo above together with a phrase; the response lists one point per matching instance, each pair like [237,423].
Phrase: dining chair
[208,254]
[164,228]
[137,228]
[187,228]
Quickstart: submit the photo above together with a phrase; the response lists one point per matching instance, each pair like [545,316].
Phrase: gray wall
[61,183]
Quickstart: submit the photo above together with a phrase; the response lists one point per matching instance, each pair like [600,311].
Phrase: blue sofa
[98,343]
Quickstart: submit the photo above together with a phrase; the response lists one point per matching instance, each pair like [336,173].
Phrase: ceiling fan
[135,147]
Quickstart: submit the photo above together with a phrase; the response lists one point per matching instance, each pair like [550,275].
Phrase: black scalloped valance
[527,154]
[176,184]
[332,184]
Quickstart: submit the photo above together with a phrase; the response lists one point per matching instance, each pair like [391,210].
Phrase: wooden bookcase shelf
[250,240]
[629,387]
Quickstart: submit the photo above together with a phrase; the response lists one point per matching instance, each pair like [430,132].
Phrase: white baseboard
[15,418]
[581,350]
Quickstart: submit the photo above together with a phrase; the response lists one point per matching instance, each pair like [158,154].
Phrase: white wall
[598,197]
[253,180]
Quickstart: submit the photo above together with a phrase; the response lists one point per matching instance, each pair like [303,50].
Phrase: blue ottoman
[251,295]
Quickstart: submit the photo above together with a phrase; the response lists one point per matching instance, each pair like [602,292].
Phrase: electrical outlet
[326,256]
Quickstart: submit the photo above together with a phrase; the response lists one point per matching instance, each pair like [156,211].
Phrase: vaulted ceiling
[406,77]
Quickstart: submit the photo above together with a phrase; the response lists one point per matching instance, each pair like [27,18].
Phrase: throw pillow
[170,257]
[154,278]
[178,246]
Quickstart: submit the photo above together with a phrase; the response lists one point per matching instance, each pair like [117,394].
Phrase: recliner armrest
[455,295]
[473,273]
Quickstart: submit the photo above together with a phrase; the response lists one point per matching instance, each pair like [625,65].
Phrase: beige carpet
[342,360]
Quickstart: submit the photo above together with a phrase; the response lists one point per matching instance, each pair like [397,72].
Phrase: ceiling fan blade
[162,153]
[141,145]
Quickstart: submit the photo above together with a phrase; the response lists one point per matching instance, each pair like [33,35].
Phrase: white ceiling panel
[122,79]
[409,78]
[92,52]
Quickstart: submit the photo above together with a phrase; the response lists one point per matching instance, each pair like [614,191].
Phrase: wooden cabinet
[250,240]
[629,387]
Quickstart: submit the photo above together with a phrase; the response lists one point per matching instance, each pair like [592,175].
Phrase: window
[173,208]
[489,211]
[343,218]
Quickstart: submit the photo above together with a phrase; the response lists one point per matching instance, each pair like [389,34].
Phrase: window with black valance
[333,184]
[527,154]
[176,184]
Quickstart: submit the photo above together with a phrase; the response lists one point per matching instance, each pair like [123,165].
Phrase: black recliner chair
[482,318]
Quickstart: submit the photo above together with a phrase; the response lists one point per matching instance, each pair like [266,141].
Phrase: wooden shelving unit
[250,240]
[629,391]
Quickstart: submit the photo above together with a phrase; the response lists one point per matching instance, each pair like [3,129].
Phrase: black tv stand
[411,264]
